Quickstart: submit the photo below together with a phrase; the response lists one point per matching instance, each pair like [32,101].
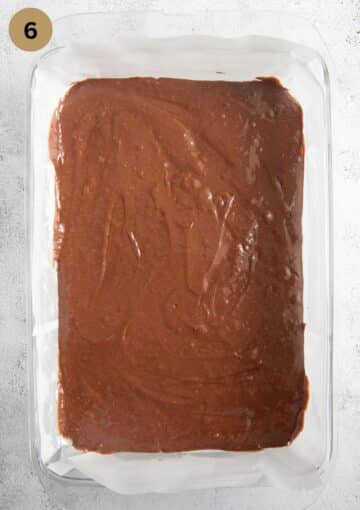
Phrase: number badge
[30,29]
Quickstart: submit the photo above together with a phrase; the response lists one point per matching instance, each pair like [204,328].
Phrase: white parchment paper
[296,466]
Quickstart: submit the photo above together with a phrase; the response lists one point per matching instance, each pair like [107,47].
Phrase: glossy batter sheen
[178,246]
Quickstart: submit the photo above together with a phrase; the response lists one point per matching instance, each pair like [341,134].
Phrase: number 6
[30,30]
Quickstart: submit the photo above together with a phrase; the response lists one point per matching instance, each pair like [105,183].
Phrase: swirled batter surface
[178,245]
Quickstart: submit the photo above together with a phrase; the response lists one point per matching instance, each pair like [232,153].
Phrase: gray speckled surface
[339,22]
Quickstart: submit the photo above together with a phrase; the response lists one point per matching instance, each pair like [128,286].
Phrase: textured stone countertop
[339,23]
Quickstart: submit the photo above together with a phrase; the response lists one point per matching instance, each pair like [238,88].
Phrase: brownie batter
[178,246]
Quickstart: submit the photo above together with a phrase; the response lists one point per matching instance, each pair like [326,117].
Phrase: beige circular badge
[30,29]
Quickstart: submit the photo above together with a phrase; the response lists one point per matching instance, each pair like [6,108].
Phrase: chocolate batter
[178,246]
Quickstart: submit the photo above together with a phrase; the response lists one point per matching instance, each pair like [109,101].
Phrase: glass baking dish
[239,45]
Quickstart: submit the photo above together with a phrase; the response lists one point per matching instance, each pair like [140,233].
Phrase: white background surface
[339,23]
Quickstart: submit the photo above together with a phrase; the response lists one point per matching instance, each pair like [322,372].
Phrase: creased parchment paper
[295,466]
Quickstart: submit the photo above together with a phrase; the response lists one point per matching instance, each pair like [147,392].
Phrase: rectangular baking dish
[235,45]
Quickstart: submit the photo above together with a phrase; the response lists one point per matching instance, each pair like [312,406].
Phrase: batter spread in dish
[178,246]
